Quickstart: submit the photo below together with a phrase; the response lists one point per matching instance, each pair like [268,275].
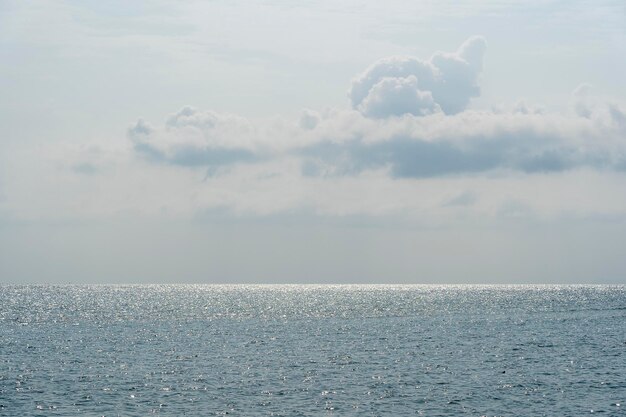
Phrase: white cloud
[472,143]
[399,152]
[335,143]
[412,171]
[349,180]
[397,96]
[196,138]
[451,79]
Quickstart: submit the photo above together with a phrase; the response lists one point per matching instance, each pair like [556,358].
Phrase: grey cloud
[211,156]
[618,116]
[405,157]
[309,119]
[192,138]
[150,152]
[194,156]
[451,79]
[408,157]
[140,128]
[85,168]
[347,143]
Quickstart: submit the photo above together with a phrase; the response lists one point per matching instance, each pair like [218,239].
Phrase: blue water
[313,350]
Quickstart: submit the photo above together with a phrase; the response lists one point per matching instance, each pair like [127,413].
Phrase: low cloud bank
[409,116]
[347,143]
[194,138]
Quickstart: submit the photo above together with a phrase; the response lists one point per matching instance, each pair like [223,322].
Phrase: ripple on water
[306,350]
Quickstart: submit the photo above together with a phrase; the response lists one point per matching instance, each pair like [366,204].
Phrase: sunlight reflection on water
[309,350]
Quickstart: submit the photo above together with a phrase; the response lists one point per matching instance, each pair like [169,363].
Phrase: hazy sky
[298,141]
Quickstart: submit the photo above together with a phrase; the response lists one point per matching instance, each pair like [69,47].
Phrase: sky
[312,142]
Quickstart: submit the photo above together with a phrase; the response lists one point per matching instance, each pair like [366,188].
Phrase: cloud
[618,116]
[449,79]
[464,199]
[470,143]
[341,143]
[140,128]
[606,113]
[397,96]
[581,100]
[309,119]
[522,107]
[194,138]
[409,120]
[85,168]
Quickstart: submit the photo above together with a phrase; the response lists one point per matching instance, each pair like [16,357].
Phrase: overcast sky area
[312,141]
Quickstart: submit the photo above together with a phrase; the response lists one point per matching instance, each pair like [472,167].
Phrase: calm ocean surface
[312,350]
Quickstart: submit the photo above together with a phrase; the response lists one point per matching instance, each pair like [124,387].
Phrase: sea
[312,350]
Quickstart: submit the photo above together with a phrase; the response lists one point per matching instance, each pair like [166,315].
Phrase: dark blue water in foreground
[313,350]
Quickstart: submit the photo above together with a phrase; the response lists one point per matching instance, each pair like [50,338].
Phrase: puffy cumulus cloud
[449,79]
[394,96]
[343,163]
[409,120]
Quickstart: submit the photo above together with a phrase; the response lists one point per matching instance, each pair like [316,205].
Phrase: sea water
[312,350]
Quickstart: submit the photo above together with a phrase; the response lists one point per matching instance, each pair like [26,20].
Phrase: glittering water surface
[311,350]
